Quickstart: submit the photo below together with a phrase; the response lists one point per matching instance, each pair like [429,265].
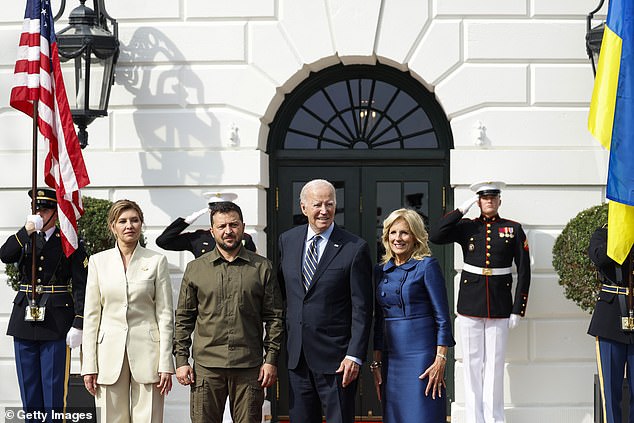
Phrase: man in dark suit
[198,242]
[40,342]
[327,275]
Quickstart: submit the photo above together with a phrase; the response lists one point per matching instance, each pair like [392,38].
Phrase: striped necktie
[310,262]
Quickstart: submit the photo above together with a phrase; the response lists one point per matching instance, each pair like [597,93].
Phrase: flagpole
[34,201]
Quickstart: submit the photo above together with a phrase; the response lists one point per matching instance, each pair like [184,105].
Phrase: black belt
[45,289]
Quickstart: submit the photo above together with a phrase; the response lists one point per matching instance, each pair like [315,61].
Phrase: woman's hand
[90,382]
[436,375]
[375,368]
[378,381]
[165,384]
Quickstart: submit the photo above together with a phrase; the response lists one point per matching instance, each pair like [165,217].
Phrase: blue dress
[411,319]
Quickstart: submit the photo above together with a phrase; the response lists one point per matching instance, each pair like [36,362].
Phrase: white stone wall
[190,71]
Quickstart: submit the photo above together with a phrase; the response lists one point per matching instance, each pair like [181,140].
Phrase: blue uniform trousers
[611,359]
[43,370]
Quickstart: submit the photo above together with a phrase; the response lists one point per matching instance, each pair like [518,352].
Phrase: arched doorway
[383,140]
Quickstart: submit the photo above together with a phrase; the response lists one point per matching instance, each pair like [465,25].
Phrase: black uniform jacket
[63,309]
[198,242]
[488,243]
[606,318]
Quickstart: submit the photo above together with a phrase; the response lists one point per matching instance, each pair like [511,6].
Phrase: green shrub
[576,272]
[92,229]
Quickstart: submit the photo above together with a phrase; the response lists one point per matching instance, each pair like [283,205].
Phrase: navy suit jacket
[333,318]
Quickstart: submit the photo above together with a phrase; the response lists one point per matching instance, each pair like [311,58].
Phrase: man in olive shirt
[225,298]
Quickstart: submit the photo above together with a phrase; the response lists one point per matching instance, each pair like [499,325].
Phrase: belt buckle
[39,289]
[627,324]
[487,272]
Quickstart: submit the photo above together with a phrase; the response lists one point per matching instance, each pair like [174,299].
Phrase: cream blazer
[128,312]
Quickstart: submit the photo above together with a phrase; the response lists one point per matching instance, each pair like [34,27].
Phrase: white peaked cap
[217,197]
[488,187]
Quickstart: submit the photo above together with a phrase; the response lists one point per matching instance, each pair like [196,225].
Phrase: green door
[365,196]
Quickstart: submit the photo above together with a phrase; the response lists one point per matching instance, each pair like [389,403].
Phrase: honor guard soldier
[43,328]
[486,307]
[613,327]
[201,241]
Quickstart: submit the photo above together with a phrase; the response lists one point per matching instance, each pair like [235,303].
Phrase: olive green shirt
[225,304]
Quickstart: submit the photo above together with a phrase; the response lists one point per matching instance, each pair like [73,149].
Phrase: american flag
[38,77]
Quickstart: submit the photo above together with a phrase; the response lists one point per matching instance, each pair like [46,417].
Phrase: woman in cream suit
[128,324]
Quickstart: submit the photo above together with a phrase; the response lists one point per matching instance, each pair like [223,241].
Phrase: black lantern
[594,37]
[88,41]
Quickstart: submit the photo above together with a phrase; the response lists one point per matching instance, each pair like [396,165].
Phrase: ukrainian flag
[611,121]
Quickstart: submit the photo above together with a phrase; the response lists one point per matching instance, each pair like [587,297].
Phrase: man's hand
[268,375]
[33,223]
[350,371]
[464,207]
[195,215]
[185,375]
[73,337]
[514,320]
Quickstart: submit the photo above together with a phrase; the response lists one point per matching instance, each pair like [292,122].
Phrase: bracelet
[443,356]
[375,365]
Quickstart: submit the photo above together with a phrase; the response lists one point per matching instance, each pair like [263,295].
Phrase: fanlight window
[360,113]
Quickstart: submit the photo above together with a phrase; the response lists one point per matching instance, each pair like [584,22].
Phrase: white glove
[73,337]
[33,223]
[195,215]
[514,320]
[464,207]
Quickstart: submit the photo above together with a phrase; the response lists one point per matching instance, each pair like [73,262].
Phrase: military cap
[219,197]
[488,188]
[45,198]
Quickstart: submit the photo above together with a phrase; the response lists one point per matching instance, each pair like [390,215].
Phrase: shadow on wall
[173,136]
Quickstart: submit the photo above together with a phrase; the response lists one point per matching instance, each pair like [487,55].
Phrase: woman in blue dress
[412,331]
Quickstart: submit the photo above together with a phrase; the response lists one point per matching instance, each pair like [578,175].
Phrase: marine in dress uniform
[41,353]
[486,307]
[200,241]
[615,346]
